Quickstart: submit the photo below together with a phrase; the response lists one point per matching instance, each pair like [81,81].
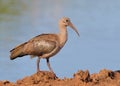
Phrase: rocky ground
[80,78]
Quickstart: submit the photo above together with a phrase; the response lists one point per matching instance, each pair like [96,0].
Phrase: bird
[45,45]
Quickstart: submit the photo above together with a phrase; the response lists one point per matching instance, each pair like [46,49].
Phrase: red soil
[81,78]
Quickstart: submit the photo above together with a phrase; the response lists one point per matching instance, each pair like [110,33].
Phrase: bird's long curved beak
[73,27]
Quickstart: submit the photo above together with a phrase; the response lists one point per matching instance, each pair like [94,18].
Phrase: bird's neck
[62,35]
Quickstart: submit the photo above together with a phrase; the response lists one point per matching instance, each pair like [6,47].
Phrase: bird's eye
[67,20]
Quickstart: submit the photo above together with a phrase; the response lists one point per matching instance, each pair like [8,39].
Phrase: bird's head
[66,22]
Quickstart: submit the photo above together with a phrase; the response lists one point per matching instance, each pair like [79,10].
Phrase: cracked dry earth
[81,78]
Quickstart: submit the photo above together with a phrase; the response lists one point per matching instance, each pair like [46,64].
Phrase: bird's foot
[38,71]
[55,76]
[47,73]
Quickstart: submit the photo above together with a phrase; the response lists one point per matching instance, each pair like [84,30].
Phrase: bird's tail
[17,52]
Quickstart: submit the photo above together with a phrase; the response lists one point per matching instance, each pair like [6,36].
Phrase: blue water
[97,47]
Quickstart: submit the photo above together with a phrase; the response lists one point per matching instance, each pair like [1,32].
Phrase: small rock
[5,82]
[102,75]
[82,75]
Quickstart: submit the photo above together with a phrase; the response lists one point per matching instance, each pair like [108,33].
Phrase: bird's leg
[38,61]
[48,64]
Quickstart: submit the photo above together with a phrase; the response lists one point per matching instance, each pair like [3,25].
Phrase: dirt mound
[81,78]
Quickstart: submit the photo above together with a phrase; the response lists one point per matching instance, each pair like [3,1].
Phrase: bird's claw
[55,77]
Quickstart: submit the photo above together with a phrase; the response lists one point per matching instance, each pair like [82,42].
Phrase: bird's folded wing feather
[40,46]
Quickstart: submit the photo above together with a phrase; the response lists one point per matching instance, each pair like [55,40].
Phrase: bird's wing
[40,45]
